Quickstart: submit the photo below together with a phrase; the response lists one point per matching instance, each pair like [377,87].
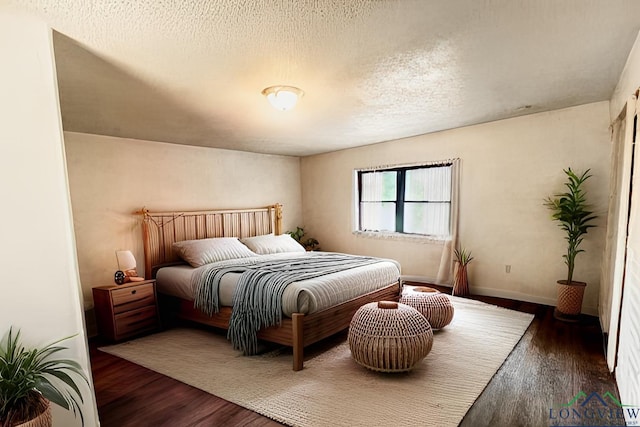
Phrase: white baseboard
[501,293]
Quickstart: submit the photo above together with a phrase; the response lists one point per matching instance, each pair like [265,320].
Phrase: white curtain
[615,187]
[444,247]
[445,272]
[613,273]
[627,368]
[432,185]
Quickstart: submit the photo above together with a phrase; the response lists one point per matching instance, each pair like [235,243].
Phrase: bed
[300,325]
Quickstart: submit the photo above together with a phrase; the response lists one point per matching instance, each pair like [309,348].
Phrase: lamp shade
[126,260]
[283,98]
[127,264]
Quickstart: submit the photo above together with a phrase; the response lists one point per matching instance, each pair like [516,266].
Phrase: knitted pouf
[435,306]
[387,336]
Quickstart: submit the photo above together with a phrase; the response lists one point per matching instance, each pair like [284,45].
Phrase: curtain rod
[409,165]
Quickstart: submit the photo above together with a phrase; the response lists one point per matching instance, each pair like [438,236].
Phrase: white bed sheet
[305,296]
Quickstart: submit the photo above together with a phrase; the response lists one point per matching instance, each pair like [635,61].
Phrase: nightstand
[123,311]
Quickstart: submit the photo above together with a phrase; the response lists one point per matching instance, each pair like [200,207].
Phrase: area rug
[332,390]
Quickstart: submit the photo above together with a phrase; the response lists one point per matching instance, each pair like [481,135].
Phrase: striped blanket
[257,301]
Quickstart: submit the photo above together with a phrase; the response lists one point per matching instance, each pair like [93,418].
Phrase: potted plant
[32,378]
[574,216]
[309,243]
[460,279]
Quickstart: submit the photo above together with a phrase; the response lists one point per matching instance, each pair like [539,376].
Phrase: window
[409,200]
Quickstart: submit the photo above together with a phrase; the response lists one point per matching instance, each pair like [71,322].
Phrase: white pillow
[270,244]
[205,251]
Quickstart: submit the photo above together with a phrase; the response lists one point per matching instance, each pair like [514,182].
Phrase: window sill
[400,236]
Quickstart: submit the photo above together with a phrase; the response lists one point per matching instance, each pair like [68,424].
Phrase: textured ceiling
[191,72]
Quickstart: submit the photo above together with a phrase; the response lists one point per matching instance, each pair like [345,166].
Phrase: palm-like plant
[573,213]
[463,257]
[28,376]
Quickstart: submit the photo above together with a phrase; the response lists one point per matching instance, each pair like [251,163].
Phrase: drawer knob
[133,292]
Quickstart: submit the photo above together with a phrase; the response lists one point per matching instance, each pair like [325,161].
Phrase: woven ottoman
[387,336]
[435,306]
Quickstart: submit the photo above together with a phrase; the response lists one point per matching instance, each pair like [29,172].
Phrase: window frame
[400,200]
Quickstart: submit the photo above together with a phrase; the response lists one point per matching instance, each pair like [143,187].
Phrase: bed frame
[161,230]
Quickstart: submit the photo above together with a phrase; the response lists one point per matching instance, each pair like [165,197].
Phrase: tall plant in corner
[573,214]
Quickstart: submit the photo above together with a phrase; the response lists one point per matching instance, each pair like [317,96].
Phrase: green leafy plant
[309,243]
[29,375]
[463,257]
[573,213]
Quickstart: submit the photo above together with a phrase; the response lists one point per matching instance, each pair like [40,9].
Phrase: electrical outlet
[507,268]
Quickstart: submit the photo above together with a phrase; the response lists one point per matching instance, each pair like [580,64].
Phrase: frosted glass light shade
[127,264]
[282,98]
[126,260]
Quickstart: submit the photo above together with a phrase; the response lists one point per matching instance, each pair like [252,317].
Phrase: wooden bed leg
[298,343]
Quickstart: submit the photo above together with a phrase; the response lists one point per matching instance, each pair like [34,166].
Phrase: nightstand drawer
[136,320]
[126,310]
[131,298]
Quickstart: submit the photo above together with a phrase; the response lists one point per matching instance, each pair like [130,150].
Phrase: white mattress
[305,296]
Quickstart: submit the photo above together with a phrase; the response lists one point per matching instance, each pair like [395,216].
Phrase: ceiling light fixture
[283,98]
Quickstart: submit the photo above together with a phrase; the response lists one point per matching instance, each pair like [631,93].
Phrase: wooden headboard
[161,229]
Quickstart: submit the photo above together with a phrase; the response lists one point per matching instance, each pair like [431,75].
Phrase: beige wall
[40,291]
[111,178]
[507,169]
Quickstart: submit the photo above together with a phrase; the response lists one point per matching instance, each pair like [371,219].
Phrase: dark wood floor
[549,366]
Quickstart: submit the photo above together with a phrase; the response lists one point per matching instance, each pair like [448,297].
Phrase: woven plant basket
[389,337]
[42,420]
[460,280]
[570,298]
[434,306]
